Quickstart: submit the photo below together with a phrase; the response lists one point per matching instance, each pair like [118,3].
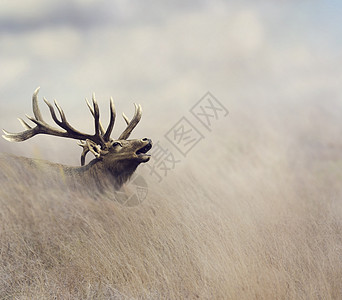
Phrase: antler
[106,135]
[131,124]
[90,142]
[99,138]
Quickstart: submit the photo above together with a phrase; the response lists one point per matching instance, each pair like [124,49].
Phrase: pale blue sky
[255,55]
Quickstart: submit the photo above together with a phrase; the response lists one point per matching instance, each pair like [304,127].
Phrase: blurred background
[275,65]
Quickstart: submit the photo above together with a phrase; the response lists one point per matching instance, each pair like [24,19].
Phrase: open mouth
[143,150]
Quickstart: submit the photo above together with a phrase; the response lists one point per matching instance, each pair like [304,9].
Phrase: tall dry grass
[253,213]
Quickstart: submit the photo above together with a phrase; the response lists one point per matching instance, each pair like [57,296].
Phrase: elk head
[118,157]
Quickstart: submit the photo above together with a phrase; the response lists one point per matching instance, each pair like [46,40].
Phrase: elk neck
[99,172]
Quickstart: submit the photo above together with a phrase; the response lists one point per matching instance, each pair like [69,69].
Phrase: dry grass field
[254,210]
[253,213]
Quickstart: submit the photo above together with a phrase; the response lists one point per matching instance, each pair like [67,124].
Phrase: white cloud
[27,9]
[12,69]
[247,31]
[56,44]
[189,51]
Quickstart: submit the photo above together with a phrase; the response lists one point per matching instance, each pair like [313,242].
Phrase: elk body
[115,159]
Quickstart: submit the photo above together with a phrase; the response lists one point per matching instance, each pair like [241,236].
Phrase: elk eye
[116,144]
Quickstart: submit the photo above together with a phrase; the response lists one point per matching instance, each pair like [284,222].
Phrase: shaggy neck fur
[98,172]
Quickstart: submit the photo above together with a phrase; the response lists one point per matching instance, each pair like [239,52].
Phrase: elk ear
[89,145]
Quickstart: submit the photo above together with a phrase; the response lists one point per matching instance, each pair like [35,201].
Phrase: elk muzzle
[141,153]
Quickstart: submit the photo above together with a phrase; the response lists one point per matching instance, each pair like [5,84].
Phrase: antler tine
[35,107]
[96,115]
[111,122]
[24,124]
[18,137]
[70,131]
[125,118]
[41,127]
[93,113]
[84,152]
[132,124]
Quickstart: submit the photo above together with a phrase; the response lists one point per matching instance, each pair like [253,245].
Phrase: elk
[115,159]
